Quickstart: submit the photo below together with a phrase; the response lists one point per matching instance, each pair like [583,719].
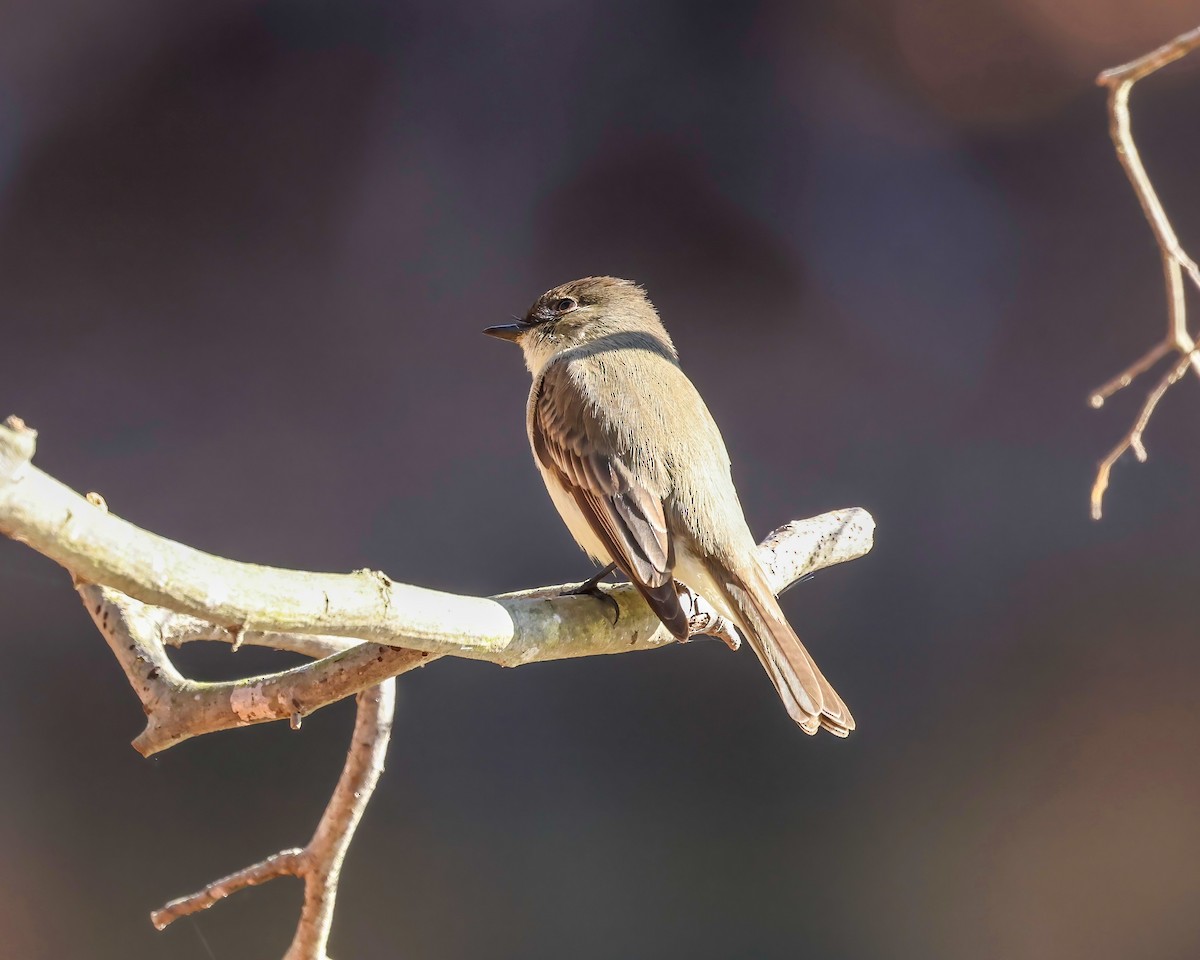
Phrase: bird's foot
[703,620]
[591,588]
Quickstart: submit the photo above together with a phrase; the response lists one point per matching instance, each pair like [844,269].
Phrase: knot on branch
[17,445]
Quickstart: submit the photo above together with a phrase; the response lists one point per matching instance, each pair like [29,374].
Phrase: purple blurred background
[246,250]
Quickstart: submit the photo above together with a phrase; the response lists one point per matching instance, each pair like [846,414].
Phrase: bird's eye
[565,304]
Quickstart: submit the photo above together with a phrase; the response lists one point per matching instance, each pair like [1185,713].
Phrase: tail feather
[807,695]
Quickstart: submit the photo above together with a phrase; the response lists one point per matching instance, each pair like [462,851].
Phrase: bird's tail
[807,695]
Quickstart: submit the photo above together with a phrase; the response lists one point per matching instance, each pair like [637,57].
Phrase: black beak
[507,331]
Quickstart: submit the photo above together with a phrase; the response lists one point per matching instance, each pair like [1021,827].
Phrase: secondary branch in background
[1176,262]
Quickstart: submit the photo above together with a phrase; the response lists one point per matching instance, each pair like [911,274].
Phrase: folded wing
[623,511]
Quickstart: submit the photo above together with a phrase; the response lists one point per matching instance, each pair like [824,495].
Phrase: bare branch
[178,708]
[319,864]
[99,547]
[146,593]
[1120,81]
[137,633]
[327,848]
[286,863]
[1133,439]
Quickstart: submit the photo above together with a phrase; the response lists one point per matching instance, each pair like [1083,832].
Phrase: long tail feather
[807,695]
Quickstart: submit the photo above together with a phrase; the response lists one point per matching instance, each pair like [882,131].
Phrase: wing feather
[624,512]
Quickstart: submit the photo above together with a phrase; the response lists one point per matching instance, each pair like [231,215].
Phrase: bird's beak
[507,331]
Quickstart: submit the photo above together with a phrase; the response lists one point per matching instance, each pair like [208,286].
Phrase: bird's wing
[623,512]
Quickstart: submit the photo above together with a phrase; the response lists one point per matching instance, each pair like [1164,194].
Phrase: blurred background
[246,250]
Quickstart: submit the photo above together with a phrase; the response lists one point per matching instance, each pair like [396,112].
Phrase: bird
[637,469]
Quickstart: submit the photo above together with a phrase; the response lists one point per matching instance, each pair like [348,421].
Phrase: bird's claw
[589,588]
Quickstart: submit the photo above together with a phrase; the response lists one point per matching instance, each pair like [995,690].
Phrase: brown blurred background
[246,250]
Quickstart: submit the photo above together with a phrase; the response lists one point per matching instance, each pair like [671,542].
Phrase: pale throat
[538,352]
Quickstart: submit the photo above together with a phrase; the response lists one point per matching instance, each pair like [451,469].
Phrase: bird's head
[581,313]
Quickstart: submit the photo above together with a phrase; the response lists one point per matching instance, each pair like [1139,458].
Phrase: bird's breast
[573,517]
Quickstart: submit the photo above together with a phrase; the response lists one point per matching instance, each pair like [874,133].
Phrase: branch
[146,593]
[137,634]
[319,864]
[98,547]
[1120,81]
[178,708]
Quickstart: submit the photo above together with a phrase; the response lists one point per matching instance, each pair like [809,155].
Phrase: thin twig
[1133,439]
[286,863]
[1120,81]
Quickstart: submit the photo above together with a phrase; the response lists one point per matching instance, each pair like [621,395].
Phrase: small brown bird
[638,470]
